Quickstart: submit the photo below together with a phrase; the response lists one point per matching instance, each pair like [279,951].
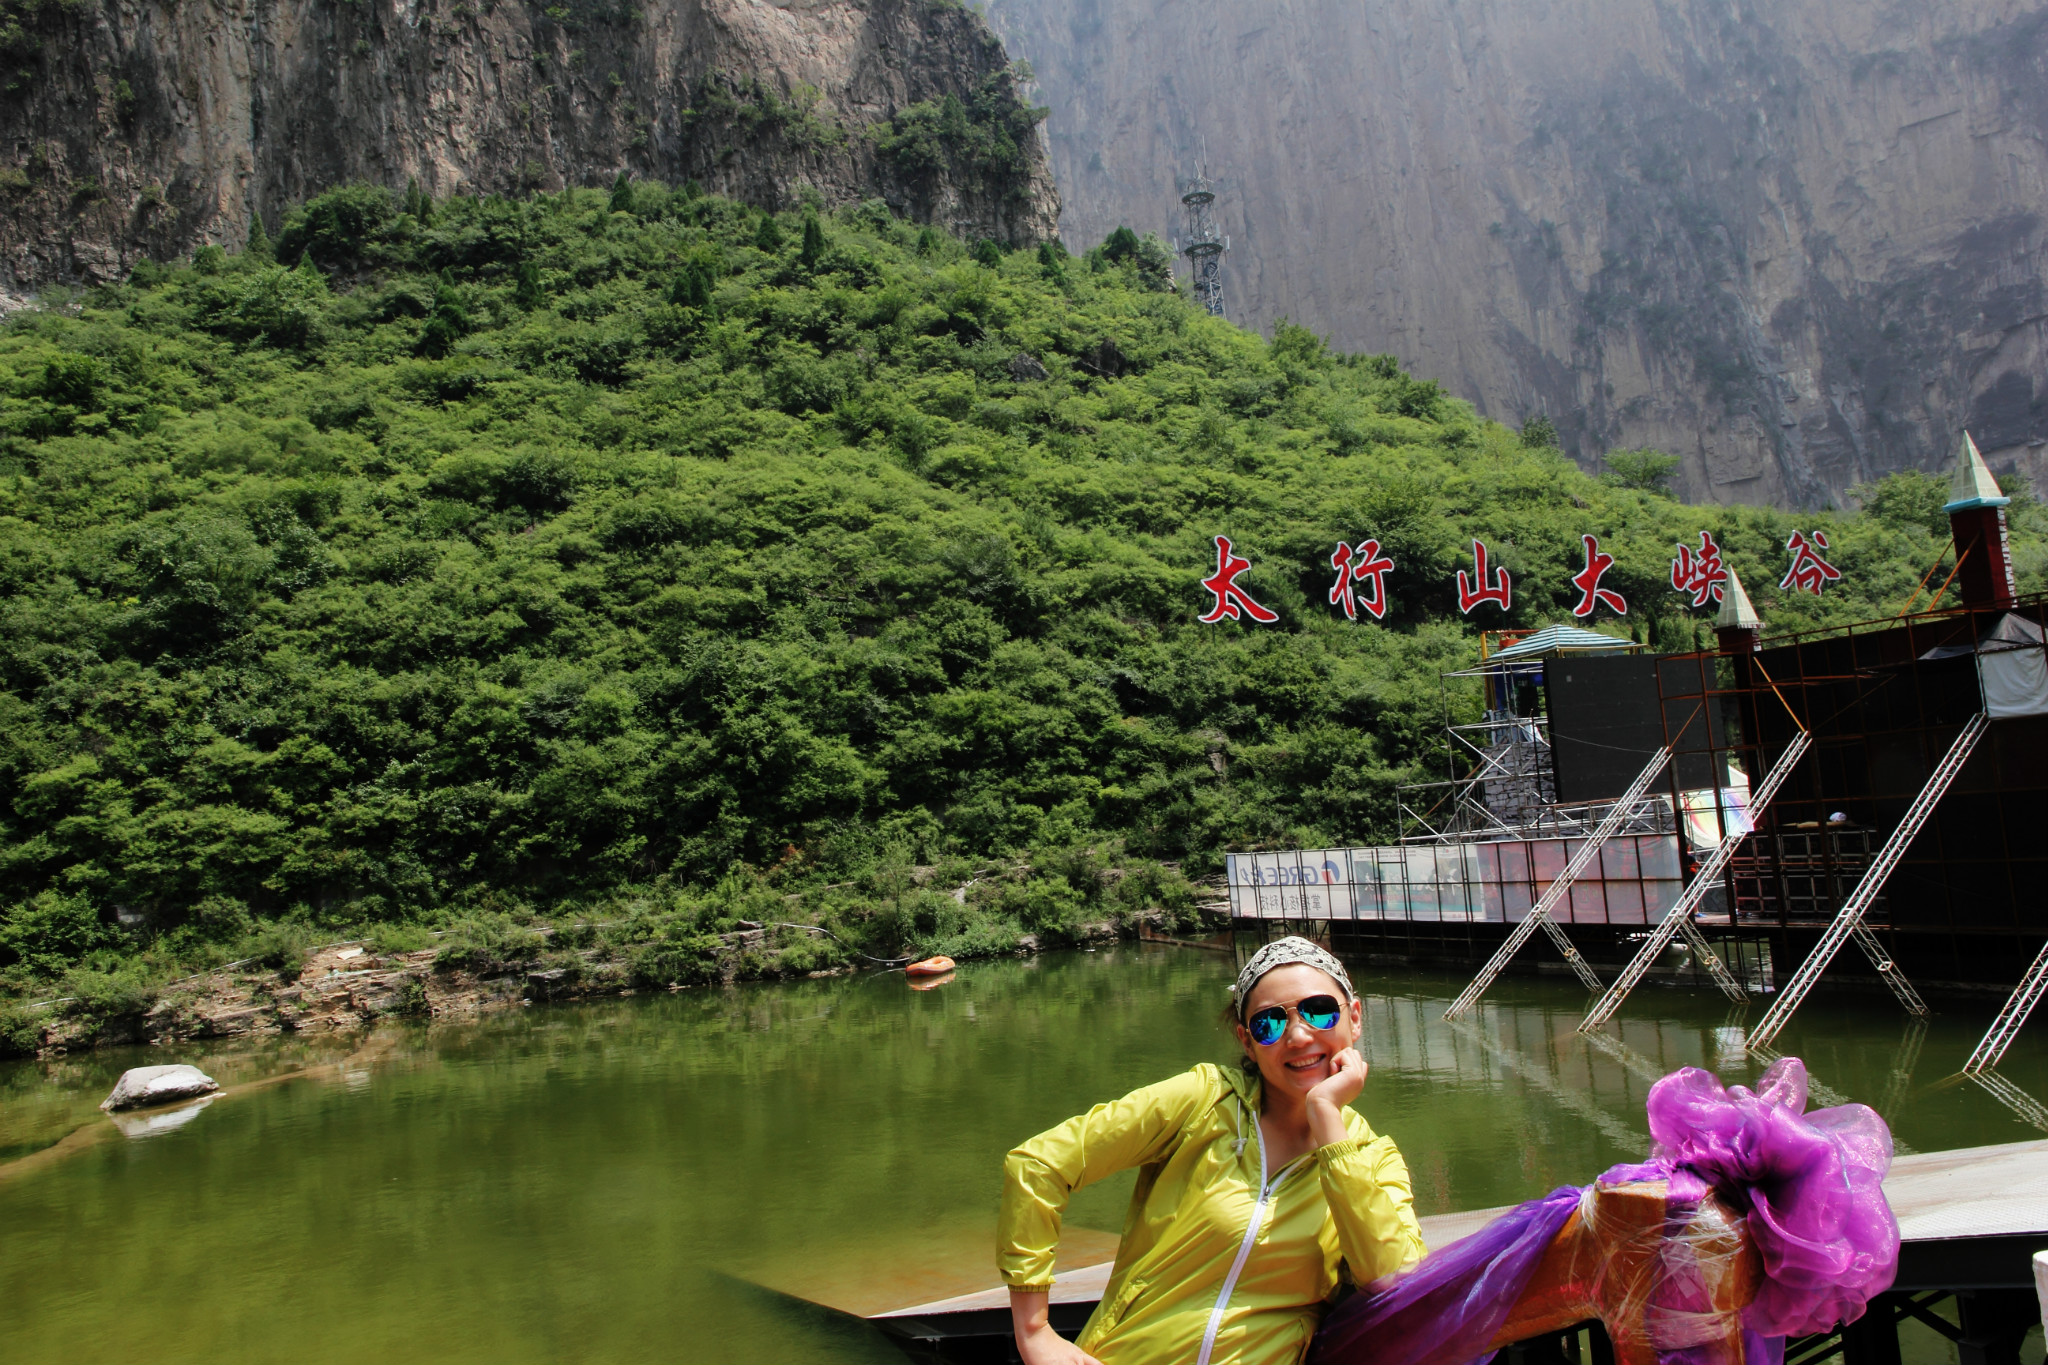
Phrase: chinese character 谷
[1809,572]
[1587,581]
[1231,600]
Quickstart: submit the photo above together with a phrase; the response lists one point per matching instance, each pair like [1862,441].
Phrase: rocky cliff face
[147,126]
[1798,243]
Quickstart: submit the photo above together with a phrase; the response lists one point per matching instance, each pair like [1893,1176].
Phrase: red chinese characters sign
[1232,601]
[1587,581]
[1703,575]
[1809,572]
[1362,564]
[1477,589]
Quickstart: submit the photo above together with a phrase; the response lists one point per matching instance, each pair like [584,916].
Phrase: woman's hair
[1231,1023]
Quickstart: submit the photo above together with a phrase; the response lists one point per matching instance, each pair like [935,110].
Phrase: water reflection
[2029,1109]
[614,1181]
[157,1122]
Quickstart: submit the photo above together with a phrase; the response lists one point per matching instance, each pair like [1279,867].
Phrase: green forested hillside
[638,553]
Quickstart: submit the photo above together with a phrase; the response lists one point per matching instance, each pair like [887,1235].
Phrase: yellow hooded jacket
[1221,1258]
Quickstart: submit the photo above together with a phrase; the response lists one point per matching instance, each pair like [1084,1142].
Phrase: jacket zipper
[1244,1250]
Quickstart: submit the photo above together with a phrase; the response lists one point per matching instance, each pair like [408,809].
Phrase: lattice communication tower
[1204,247]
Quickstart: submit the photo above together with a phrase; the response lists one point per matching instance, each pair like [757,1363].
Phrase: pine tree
[814,242]
[526,290]
[446,324]
[988,253]
[692,286]
[418,202]
[622,194]
[927,241]
[258,245]
[769,238]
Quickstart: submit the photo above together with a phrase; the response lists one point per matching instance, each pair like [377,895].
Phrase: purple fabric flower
[1810,1184]
[1813,1185]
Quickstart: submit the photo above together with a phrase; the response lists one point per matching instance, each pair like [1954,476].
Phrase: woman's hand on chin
[1327,1100]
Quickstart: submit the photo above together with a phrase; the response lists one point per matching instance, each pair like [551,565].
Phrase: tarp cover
[2012,667]
[2015,682]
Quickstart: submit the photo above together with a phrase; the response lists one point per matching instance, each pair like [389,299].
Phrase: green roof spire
[1736,612]
[1972,484]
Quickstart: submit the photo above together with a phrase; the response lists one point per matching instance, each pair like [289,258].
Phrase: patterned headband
[1279,953]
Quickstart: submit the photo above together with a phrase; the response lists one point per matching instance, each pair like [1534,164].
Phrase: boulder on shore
[143,1085]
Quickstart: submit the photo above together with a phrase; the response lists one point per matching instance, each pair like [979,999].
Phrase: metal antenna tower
[1204,247]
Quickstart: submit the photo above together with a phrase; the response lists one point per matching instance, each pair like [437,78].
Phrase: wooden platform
[1970,1218]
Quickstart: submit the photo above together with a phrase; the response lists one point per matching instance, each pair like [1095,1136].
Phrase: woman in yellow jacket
[1258,1190]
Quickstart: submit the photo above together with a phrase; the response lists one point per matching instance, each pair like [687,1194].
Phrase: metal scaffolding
[1850,917]
[1539,914]
[2007,1025]
[1679,920]
[1461,813]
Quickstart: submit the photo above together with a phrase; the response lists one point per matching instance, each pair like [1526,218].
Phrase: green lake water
[620,1181]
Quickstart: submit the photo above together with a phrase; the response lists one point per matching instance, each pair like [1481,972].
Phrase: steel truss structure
[1849,919]
[2007,1025]
[1680,918]
[1539,914]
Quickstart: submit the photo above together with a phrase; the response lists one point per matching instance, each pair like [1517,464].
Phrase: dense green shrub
[487,945]
[673,959]
[339,228]
[281,947]
[105,997]
[21,1030]
[558,561]
[50,930]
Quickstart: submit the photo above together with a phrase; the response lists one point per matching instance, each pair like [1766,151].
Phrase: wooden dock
[1970,1221]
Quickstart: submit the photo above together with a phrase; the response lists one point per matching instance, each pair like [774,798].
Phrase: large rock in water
[143,1085]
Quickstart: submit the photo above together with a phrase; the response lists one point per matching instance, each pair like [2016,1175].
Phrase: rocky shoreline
[348,987]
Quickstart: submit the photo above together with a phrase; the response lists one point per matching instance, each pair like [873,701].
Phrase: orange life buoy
[931,966]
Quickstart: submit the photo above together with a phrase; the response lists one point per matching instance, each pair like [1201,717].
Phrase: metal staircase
[1539,914]
[1679,919]
[2007,1025]
[1850,918]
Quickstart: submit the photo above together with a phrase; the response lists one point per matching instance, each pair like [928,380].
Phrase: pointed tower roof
[1972,484]
[1736,612]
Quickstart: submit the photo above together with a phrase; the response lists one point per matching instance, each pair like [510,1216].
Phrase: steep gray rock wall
[148,126]
[1798,244]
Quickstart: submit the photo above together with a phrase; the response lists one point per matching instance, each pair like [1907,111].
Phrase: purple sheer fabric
[1811,1185]
[1445,1310]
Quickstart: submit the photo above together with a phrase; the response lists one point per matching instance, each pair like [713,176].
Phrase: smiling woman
[1230,1249]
